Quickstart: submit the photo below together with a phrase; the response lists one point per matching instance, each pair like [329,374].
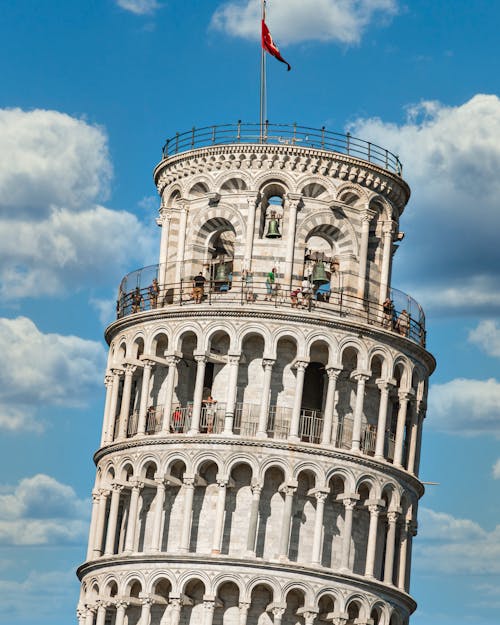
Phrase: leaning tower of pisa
[266,391]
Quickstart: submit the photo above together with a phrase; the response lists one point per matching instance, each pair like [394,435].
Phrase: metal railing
[282,134]
[406,317]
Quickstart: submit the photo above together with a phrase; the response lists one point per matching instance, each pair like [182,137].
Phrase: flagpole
[262,80]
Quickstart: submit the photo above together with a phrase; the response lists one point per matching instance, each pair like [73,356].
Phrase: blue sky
[89,91]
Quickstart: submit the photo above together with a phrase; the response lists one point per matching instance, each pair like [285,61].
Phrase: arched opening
[344,421]
[204,506]
[295,601]
[271,211]
[303,516]
[250,382]
[227,605]
[193,612]
[146,507]
[270,514]
[173,507]
[333,521]
[160,608]
[283,385]
[262,597]
[238,504]
[133,611]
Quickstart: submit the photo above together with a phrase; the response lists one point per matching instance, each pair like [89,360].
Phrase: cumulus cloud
[56,238]
[38,368]
[451,156]
[465,407]
[139,7]
[41,511]
[496,470]
[487,337]
[294,21]
[48,158]
[454,546]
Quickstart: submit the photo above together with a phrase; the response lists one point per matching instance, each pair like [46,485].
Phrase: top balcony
[283,134]
[139,291]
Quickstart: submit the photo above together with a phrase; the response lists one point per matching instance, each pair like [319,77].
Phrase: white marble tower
[262,427]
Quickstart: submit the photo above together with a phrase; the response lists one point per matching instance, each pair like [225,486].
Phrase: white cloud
[465,407]
[294,21]
[496,470]
[139,7]
[49,369]
[55,238]
[454,546]
[452,158]
[487,337]
[48,158]
[41,511]
[106,309]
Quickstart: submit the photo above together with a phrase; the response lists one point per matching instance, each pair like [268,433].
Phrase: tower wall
[261,434]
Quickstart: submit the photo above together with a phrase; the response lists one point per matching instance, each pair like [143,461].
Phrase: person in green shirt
[270,280]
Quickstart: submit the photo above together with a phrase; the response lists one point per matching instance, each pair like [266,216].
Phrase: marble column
[116,490]
[101,518]
[113,404]
[252,208]
[121,610]
[187,514]
[143,407]
[108,383]
[164,222]
[291,209]
[172,362]
[387,230]
[89,616]
[392,519]
[267,363]
[403,546]
[209,607]
[384,387]
[93,523]
[286,522]
[278,615]
[366,217]
[404,398]
[219,516]
[101,615]
[412,446]
[243,606]
[349,505]
[358,410]
[133,516]
[254,519]
[301,367]
[175,613]
[333,374]
[181,242]
[145,611]
[125,407]
[158,515]
[233,361]
[321,496]
[371,547]
[201,361]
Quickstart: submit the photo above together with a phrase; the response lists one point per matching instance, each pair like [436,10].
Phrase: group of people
[400,323]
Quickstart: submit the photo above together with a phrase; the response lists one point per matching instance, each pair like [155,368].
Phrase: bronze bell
[273,230]
[319,274]
[221,273]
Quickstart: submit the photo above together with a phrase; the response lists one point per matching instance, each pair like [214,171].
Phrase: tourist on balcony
[306,293]
[176,420]
[210,406]
[247,279]
[294,298]
[270,282]
[388,312]
[403,323]
[154,291]
[198,287]
[137,300]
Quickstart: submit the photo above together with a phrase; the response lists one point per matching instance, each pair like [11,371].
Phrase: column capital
[244,606]
[393,516]
[293,199]
[137,484]
[200,358]
[358,375]
[96,494]
[115,487]
[321,495]
[130,369]
[188,482]
[222,482]
[385,384]
[233,358]
[375,508]
[117,371]
[108,380]
[172,360]
[104,492]
[278,611]
[268,363]
[333,371]
[256,488]
[406,395]
[252,199]
[148,363]
[349,503]
[301,365]
[388,227]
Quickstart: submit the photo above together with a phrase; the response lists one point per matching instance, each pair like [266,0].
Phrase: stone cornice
[286,158]
[242,565]
[408,481]
[312,318]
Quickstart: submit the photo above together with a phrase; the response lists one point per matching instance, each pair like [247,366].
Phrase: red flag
[269,45]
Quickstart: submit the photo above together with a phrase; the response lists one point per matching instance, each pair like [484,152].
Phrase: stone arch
[338,233]
[200,186]
[316,187]
[303,513]
[356,607]
[172,195]
[238,503]
[182,331]
[295,597]
[247,330]
[159,340]
[282,178]
[351,195]
[261,593]
[271,506]
[215,219]
[233,182]
[195,587]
